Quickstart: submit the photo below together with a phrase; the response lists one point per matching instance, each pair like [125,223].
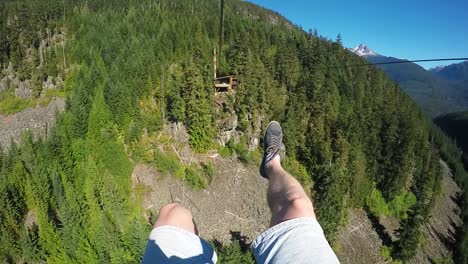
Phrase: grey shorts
[298,240]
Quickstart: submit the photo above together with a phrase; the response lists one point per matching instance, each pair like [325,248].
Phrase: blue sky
[407,29]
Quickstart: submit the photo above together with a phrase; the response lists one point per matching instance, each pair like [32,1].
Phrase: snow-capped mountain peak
[363,50]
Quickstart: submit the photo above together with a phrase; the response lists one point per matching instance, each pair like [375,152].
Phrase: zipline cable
[407,61]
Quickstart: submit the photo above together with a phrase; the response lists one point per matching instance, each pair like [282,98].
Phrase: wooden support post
[214,64]
[162,103]
[221,26]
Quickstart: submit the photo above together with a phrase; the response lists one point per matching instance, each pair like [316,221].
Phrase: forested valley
[352,137]
[456,126]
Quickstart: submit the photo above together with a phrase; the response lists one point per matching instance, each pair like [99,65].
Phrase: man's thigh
[299,240]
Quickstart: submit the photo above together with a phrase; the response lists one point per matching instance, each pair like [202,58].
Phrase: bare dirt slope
[235,201]
[358,242]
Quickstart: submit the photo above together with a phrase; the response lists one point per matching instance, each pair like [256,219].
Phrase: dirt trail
[235,201]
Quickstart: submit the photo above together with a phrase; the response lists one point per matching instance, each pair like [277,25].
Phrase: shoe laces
[274,145]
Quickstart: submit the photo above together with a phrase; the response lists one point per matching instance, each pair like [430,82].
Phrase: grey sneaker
[272,143]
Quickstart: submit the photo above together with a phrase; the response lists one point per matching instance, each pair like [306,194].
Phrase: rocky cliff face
[40,119]
[25,88]
[227,121]
[231,126]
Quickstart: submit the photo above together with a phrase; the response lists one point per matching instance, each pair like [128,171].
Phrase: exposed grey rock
[224,137]
[59,82]
[229,123]
[14,81]
[9,71]
[253,143]
[4,83]
[23,90]
[181,146]
[38,120]
[48,84]
[51,83]
[178,131]
[30,55]
[227,120]
[31,220]
[227,129]
[253,137]
[42,46]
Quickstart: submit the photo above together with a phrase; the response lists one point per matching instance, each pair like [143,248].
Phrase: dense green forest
[132,66]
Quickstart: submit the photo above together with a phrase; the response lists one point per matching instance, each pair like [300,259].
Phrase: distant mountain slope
[456,126]
[434,95]
[437,68]
[457,75]
[453,72]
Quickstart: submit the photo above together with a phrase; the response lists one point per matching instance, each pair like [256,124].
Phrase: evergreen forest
[132,67]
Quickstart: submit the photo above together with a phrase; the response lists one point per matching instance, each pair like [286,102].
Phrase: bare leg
[174,214]
[286,197]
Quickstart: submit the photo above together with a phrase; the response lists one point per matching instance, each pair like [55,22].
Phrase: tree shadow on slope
[380,230]
[446,239]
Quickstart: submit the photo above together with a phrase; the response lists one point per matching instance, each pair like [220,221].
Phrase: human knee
[174,210]
[301,205]
[174,214]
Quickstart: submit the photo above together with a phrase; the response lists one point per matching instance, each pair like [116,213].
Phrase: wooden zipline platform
[225,83]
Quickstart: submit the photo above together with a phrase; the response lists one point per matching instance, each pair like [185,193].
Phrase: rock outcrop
[231,127]
[227,121]
[24,89]
[38,120]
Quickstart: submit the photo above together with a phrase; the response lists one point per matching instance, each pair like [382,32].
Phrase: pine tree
[199,118]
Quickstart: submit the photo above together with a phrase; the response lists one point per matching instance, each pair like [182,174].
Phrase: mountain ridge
[434,94]
[437,68]
[452,72]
